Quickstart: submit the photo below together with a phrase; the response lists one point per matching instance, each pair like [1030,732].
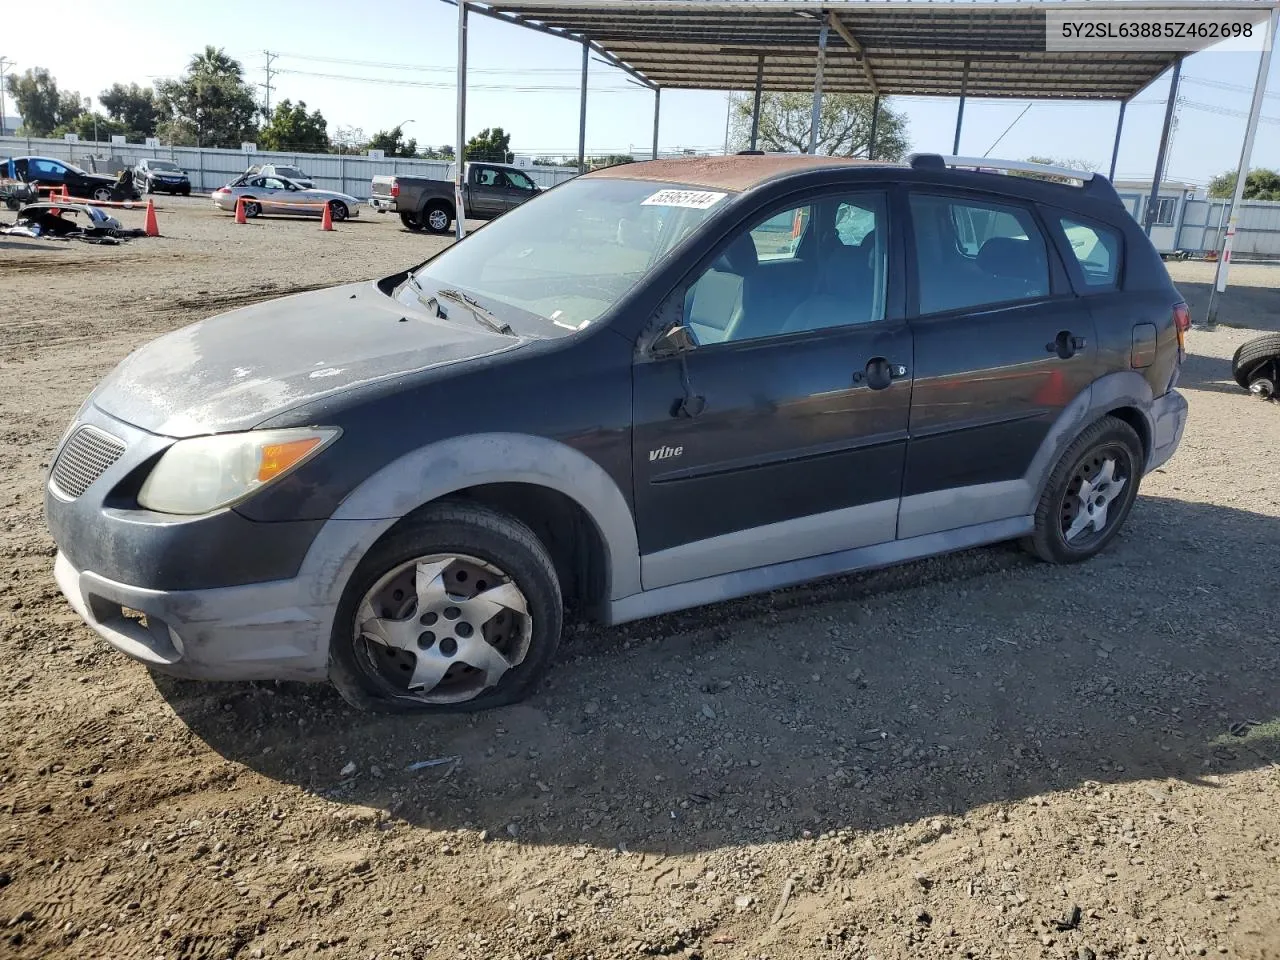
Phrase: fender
[442,468]
[1126,388]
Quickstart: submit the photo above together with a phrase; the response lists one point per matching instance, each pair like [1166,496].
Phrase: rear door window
[972,253]
[1097,250]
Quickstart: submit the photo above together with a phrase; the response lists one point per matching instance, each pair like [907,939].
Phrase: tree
[211,103]
[348,140]
[43,107]
[611,160]
[491,144]
[133,107]
[844,125]
[292,128]
[392,143]
[1260,184]
[90,126]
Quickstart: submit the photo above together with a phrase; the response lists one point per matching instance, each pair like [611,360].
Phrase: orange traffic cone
[149,225]
[240,217]
[326,219]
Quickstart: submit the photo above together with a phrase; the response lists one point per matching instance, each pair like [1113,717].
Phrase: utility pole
[5,64]
[271,58]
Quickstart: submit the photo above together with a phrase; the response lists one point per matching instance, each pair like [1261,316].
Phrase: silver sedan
[280,195]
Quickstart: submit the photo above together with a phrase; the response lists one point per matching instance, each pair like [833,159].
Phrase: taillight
[395,188]
[1182,323]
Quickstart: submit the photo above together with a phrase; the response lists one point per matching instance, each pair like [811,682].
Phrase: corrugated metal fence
[210,169]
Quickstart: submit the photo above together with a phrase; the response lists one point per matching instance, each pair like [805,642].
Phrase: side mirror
[675,342]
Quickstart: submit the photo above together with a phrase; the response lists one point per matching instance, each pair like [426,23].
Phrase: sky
[381,62]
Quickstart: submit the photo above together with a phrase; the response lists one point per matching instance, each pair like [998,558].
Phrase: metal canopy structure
[980,49]
[943,48]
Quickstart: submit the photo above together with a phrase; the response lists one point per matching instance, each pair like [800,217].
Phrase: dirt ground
[974,756]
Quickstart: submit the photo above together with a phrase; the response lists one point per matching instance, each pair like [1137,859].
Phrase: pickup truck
[489,191]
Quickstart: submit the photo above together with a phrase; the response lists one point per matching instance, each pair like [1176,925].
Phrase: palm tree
[214,62]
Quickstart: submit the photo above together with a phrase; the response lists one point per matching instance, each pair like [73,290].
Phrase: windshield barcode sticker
[693,199]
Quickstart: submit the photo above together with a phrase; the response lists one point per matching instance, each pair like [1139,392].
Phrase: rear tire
[1253,359]
[437,218]
[484,542]
[1082,506]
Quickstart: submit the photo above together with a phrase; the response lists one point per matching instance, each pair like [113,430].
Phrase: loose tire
[1089,494]
[437,218]
[1256,359]
[411,221]
[252,208]
[463,601]
[337,210]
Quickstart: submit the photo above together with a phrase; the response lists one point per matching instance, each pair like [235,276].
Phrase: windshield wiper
[479,312]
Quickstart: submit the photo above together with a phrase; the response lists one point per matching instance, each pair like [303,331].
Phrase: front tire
[1089,493]
[102,194]
[456,610]
[437,218]
[252,208]
[338,210]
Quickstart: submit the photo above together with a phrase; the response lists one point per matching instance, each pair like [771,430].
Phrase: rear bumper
[383,204]
[1169,419]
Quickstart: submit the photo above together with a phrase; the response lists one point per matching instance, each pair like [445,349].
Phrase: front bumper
[188,596]
[260,631]
[1169,419]
[170,186]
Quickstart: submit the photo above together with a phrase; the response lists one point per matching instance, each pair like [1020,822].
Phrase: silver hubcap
[438,219]
[1093,499]
[102,195]
[444,627]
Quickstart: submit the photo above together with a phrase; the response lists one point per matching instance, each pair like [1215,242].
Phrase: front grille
[86,456]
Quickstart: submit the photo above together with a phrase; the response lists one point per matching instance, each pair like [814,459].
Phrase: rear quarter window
[1096,249]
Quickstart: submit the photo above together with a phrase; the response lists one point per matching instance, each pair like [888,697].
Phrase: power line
[449,84]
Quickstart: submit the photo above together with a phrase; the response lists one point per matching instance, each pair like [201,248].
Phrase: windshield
[293,173]
[570,254]
[162,165]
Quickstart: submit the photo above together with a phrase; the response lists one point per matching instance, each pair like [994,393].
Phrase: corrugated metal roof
[875,46]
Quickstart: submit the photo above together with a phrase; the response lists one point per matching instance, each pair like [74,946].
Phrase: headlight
[205,473]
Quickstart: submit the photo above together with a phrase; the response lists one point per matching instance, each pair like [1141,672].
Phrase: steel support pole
[1115,149]
[582,110]
[755,107]
[816,113]
[657,116]
[1153,203]
[964,89]
[1242,171]
[875,122]
[460,147]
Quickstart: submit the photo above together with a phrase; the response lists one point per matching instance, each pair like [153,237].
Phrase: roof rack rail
[1089,180]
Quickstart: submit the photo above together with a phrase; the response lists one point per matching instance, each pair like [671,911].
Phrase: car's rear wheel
[252,208]
[458,610]
[411,220]
[438,218]
[1089,493]
[102,194]
[338,210]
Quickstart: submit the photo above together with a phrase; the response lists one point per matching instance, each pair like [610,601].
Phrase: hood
[99,178]
[233,371]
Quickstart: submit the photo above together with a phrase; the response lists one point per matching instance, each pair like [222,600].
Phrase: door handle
[1065,344]
[880,373]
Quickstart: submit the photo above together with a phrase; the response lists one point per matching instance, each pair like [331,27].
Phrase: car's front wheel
[338,210]
[252,208]
[102,194]
[457,610]
[1089,493]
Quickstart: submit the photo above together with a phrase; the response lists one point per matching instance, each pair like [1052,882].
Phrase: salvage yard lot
[946,759]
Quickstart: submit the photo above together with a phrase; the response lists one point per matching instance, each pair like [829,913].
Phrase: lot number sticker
[693,199]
